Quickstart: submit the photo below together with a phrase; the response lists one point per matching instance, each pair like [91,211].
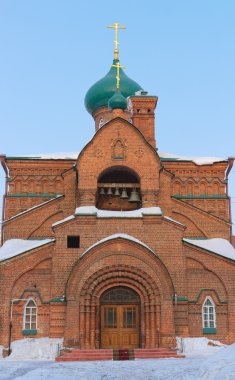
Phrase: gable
[118,143]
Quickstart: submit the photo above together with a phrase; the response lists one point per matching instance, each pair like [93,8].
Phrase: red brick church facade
[120,246]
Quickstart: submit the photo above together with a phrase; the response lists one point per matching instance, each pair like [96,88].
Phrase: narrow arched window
[208,315]
[30,315]
[101,122]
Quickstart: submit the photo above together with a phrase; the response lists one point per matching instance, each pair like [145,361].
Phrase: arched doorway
[120,318]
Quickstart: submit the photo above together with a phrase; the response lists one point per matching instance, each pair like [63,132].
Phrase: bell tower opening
[118,189]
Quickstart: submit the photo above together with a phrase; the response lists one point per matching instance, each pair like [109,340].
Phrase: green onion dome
[99,94]
[117,101]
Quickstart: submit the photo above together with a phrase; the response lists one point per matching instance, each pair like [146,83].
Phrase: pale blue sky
[53,50]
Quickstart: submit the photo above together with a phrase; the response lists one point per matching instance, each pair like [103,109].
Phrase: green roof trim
[162,159]
[201,196]
[199,295]
[207,290]
[182,298]
[33,290]
[23,158]
[58,299]
[33,195]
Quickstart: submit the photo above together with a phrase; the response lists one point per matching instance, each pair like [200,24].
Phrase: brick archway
[116,264]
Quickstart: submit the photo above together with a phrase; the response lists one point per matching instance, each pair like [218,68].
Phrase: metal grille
[120,295]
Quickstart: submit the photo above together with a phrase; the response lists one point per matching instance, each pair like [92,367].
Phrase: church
[120,245]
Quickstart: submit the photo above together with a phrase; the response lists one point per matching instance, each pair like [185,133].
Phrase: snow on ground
[37,349]
[198,347]
[207,362]
[220,366]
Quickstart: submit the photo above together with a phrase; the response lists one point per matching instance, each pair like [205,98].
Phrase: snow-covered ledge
[218,246]
[116,236]
[15,247]
[93,211]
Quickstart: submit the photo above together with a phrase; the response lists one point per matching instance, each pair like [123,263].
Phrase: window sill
[29,332]
[209,330]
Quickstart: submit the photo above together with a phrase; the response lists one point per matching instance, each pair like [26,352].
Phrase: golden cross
[118,67]
[116,26]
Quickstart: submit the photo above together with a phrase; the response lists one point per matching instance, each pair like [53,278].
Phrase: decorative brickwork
[118,170]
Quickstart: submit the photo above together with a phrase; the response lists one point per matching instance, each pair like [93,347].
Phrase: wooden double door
[120,326]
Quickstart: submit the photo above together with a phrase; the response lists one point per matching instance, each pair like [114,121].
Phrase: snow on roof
[74,155]
[219,246]
[32,208]
[116,236]
[92,210]
[14,247]
[173,220]
[196,160]
[49,156]
[63,220]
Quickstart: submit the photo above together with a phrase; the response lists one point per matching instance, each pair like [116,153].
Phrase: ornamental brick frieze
[150,197]
[86,197]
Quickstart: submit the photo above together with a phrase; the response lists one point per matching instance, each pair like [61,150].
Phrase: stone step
[81,359]
[86,355]
[79,352]
[108,354]
[155,353]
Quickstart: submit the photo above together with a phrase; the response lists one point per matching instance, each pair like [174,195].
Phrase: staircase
[85,355]
[124,354]
[156,353]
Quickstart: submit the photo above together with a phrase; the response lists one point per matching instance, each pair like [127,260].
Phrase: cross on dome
[116,26]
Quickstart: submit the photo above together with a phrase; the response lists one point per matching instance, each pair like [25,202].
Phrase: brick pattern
[172,279]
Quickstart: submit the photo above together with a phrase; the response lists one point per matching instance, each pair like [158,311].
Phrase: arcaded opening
[118,189]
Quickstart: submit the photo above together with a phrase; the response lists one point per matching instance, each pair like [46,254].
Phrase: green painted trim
[209,330]
[22,158]
[208,290]
[168,159]
[201,196]
[32,195]
[29,332]
[34,291]
[58,299]
[199,295]
[55,299]
[182,299]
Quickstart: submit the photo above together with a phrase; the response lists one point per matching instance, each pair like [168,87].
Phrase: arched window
[118,188]
[208,316]
[101,122]
[30,315]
